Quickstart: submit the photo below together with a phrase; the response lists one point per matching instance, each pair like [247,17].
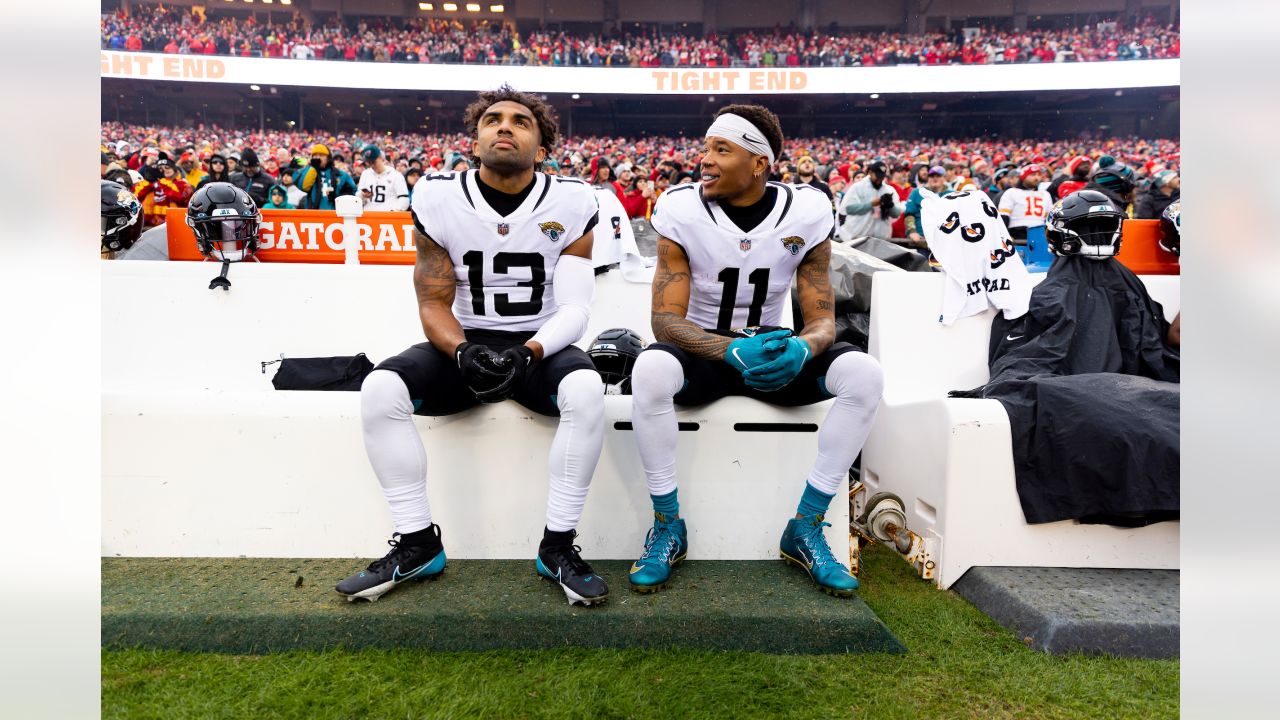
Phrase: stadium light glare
[497,8]
[286,2]
[255,88]
[266,2]
[451,7]
[473,7]
[875,96]
[575,96]
[426,6]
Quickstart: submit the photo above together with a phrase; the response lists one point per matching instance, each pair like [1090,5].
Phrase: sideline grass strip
[960,664]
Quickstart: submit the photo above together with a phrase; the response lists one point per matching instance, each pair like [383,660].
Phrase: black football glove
[516,362]
[482,369]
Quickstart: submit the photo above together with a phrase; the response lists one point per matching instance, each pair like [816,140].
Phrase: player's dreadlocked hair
[762,118]
[545,115]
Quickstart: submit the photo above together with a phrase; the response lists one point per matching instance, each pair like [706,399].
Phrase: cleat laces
[569,557]
[813,539]
[393,557]
[659,542]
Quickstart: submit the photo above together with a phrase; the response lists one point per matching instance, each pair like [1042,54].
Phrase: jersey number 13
[503,263]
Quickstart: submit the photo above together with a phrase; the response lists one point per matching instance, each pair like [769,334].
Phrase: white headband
[739,131]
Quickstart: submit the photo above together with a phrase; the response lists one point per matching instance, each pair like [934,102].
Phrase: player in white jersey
[381,187]
[1025,205]
[504,282]
[728,249]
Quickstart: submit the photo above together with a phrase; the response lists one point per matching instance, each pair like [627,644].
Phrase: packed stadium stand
[433,39]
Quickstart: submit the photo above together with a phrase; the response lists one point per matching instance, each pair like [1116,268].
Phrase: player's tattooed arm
[434,283]
[671,305]
[817,298]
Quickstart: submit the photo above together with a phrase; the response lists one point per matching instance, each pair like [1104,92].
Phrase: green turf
[960,664]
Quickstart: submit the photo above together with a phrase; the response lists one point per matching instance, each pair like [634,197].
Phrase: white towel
[967,237]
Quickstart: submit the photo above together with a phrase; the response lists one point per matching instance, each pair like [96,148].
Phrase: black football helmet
[614,354]
[1084,223]
[1171,228]
[225,220]
[121,217]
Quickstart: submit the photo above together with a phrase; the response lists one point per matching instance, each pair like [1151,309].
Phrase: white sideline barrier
[202,458]
[950,460]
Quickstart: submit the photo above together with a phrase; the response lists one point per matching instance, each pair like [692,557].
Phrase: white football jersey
[505,266]
[1025,208]
[389,190]
[615,238]
[740,279]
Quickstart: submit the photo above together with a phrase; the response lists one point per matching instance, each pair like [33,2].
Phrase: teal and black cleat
[664,547]
[804,545]
[404,562]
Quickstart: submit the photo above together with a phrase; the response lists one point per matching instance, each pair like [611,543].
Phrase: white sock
[395,449]
[655,380]
[858,382]
[576,447]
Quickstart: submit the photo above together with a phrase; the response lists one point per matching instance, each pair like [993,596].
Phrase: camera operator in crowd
[870,205]
[322,182]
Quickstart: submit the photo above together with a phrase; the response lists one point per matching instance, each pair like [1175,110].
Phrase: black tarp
[852,266]
[1091,388]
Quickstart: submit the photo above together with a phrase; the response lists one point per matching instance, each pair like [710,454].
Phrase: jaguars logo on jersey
[552,230]
[793,244]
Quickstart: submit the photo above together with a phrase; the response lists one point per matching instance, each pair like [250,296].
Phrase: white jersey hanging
[742,278]
[966,235]
[504,265]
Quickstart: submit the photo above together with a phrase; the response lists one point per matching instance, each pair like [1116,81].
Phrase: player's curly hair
[545,115]
[763,118]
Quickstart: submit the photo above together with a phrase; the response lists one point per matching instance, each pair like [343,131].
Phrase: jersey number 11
[759,279]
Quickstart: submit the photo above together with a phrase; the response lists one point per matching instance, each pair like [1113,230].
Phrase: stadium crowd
[431,40]
[164,165]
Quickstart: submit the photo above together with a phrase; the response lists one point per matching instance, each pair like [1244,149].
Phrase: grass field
[961,664]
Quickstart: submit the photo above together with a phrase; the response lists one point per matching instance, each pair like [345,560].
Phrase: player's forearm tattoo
[817,298]
[671,304]
[671,328]
[433,279]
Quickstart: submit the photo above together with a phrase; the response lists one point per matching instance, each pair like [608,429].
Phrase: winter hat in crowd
[249,157]
[1078,166]
[1162,178]
[1029,170]
[938,170]
[319,149]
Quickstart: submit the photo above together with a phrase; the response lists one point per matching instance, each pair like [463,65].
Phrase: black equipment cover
[1092,391]
[345,372]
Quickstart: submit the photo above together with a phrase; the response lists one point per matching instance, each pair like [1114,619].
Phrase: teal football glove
[749,352]
[777,373]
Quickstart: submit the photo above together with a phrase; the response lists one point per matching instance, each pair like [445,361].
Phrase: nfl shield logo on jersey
[744,244]
[793,244]
[503,229]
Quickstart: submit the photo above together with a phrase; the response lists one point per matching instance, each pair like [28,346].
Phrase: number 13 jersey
[504,265]
[740,279]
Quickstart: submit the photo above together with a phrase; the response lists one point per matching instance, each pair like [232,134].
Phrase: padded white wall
[202,457]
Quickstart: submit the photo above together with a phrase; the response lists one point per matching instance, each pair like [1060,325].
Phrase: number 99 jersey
[740,279]
[504,266]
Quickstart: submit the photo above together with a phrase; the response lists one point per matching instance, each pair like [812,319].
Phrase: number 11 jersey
[740,278]
[504,265]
